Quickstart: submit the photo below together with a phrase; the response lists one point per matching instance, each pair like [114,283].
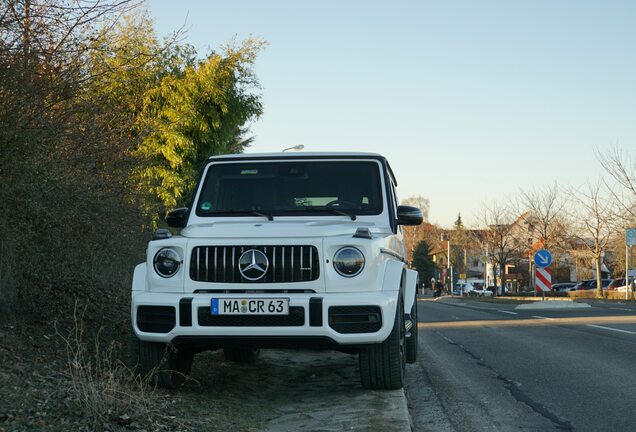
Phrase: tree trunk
[599,285]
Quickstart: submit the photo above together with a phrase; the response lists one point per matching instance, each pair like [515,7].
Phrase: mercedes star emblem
[253,264]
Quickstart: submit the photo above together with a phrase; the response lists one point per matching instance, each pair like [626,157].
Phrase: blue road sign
[543,258]
[630,237]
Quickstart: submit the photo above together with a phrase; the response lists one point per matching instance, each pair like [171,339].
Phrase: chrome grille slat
[198,250]
[215,266]
[224,272]
[233,262]
[287,264]
[274,264]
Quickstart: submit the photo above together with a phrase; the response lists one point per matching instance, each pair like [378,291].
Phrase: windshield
[291,188]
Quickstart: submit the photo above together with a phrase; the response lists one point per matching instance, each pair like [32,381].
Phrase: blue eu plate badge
[215,306]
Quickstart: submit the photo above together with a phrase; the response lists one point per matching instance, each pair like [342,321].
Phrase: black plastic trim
[355,319]
[279,342]
[254,291]
[156,319]
[315,312]
[296,318]
[389,180]
[185,312]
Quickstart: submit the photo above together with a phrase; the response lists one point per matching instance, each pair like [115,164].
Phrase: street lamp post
[295,148]
[449,268]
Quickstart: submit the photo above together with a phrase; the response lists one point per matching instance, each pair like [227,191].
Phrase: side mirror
[407,215]
[177,218]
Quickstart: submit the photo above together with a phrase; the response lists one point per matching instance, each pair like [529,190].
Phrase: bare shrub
[101,386]
[592,294]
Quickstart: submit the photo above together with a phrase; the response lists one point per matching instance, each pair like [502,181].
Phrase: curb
[552,305]
[407,421]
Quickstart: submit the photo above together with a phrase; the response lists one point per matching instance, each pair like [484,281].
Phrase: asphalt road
[488,366]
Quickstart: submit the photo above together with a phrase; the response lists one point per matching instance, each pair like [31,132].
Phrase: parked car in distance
[617,284]
[590,284]
[564,286]
[499,292]
[467,288]
[460,288]
[477,287]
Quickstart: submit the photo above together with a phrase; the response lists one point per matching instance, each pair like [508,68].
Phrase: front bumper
[344,319]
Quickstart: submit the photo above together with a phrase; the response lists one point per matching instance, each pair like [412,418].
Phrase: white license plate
[247,306]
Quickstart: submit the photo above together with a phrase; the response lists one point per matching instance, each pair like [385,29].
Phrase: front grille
[286,264]
[295,318]
[355,319]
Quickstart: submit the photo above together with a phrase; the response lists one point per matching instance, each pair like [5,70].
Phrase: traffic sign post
[543,275]
[544,280]
[542,258]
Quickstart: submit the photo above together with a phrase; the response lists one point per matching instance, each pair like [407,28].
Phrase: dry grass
[587,294]
[607,294]
[102,387]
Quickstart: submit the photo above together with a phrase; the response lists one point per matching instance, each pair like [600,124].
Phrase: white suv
[281,250]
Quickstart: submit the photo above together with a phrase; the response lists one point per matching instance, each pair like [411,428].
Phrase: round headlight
[348,261]
[167,262]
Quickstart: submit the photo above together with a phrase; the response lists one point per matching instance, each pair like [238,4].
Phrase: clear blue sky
[469,100]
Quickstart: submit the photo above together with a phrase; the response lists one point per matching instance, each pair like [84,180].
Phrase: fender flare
[410,289]
[393,276]
[139,280]
[397,277]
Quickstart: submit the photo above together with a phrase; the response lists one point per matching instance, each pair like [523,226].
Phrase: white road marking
[540,317]
[610,328]
[447,339]
[623,309]
[508,312]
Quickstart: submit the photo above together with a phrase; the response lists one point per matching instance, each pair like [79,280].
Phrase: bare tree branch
[543,211]
[621,166]
[592,223]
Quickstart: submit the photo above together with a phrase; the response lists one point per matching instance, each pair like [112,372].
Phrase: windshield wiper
[331,210]
[245,212]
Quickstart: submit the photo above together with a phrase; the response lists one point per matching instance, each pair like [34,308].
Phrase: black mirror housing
[407,215]
[177,218]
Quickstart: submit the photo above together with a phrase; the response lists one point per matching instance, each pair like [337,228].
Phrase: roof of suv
[297,155]
[304,155]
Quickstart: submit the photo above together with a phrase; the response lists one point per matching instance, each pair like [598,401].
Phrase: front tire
[165,365]
[382,366]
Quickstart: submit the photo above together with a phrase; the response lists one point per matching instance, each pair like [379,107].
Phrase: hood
[278,229]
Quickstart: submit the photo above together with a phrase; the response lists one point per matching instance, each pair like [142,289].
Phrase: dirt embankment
[41,388]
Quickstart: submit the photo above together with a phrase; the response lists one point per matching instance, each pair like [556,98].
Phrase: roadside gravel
[295,390]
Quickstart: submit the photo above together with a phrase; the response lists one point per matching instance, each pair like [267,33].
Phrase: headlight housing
[167,262]
[348,261]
